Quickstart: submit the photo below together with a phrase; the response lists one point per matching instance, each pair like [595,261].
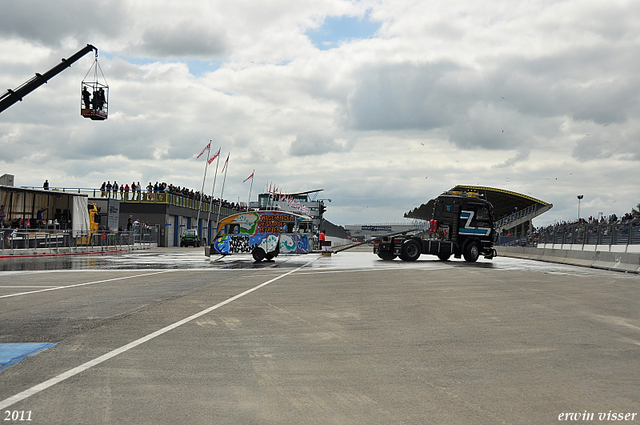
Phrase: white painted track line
[55,288]
[88,365]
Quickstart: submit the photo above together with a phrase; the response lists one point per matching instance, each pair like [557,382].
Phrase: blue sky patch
[199,68]
[337,29]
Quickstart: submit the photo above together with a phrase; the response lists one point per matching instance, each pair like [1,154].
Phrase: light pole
[579,198]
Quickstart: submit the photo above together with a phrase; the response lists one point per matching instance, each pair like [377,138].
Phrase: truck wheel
[386,255]
[410,251]
[258,254]
[471,252]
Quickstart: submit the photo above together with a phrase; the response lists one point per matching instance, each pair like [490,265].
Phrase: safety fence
[21,241]
[612,233]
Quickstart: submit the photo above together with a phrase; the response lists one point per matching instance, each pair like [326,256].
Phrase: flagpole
[226,168]
[250,187]
[213,191]
[206,164]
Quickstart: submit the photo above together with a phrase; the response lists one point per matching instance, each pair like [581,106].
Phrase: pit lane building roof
[510,208]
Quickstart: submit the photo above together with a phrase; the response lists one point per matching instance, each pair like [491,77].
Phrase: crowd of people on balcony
[136,192]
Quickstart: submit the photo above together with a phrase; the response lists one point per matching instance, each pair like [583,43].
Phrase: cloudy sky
[382,103]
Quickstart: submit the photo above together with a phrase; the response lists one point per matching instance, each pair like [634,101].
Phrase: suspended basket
[94,95]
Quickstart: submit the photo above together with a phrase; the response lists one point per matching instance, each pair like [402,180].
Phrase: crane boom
[10,97]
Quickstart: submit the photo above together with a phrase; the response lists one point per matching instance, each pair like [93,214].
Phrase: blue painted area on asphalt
[12,353]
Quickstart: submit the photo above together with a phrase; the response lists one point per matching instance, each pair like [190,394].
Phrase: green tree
[636,212]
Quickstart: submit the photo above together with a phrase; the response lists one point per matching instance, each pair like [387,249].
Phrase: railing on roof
[145,197]
[515,216]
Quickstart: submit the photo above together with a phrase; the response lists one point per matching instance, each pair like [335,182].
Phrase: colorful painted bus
[264,234]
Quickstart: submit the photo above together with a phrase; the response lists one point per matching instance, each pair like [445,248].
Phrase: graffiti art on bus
[272,231]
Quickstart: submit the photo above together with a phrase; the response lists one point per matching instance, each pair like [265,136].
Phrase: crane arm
[10,97]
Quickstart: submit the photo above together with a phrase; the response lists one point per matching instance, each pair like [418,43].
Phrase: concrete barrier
[620,261]
[627,260]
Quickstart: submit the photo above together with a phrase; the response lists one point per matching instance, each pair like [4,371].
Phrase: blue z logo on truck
[467,229]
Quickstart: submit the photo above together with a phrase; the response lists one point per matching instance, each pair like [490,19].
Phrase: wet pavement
[167,336]
[359,259]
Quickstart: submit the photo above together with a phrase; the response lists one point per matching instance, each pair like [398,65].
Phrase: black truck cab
[461,225]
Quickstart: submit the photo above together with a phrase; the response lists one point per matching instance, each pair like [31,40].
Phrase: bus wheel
[410,251]
[258,254]
[386,255]
[471,252]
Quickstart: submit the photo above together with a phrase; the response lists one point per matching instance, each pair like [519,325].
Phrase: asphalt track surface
[167,336]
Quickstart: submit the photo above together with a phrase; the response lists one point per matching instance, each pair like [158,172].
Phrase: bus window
[304,227]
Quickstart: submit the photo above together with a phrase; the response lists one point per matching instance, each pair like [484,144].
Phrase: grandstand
[512,210]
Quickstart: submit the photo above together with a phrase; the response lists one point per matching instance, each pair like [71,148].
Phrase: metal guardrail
[14,241]
[613,233]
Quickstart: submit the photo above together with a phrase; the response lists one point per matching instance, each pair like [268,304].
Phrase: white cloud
[515,95]
[313,145]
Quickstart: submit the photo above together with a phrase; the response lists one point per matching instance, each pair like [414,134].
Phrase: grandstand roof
[505,202]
